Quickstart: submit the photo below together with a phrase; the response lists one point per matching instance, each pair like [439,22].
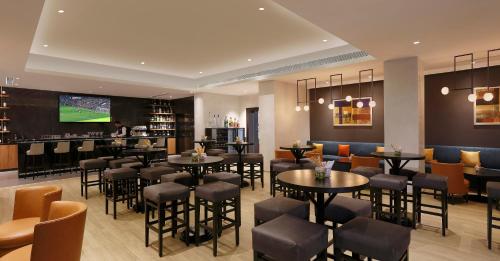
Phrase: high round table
[115,149]
[187,162]
[339,182]
[204,143]
[298,151]
[394,159]
[147,154]
[240,147]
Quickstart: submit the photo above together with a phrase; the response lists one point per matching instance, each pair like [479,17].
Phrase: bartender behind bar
[121,130]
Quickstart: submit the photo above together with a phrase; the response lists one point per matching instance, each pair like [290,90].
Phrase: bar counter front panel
[50,159]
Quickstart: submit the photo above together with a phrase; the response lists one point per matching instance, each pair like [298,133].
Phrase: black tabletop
[143,151]
[111,146]
[400,156]
[305,147]
[239,143]
[338,182]
[188,161]
[204,141]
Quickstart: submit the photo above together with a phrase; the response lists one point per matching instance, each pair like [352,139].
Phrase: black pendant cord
[331,86]
[359,86]
[471,88]
[488,67]
[298,103]
[307,98]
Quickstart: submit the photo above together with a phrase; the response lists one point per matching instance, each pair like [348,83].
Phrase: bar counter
[49,158]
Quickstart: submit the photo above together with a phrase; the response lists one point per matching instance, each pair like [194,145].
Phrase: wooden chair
[457,184]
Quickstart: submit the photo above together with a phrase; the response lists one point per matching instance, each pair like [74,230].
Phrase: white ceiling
[98,43]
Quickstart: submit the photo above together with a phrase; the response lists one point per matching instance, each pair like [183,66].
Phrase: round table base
[205,236]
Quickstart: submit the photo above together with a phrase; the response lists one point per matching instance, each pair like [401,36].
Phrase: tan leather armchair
[457,184]
[58,238]
[31,206]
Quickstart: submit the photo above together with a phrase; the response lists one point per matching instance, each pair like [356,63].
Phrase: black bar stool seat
[367,172]
[223,176]
[272,208]
[87,166]
[493,190]
[120,185]
[289,238]
[183,178]
[343,209]
[256,163]
[434,182]
[372,238]
[117,163]
[396,185]
[156,196]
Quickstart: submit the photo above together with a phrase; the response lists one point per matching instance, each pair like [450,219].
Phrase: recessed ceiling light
[45,45]
[201,72]
[416,42]
[100,87]
[170,96]
[61,11]
[143,63]
[261,9]
[18,78]
[324,40]
[249,59]
[327,82]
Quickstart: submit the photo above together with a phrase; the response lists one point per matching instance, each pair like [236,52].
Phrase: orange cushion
[20,254]
[344,150]
[429,155]
[470,158]
[17,233]
[283,154]
[379,149]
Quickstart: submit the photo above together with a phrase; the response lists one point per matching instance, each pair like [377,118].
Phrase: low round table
[204,143]
[394,159]
[298,151]
[147,154]
[187,162]
[305,180]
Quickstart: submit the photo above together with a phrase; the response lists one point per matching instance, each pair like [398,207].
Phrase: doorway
[253,129]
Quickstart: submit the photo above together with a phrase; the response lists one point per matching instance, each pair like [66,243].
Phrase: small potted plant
[198,155]
[238,140]
[397,149]
[296,144]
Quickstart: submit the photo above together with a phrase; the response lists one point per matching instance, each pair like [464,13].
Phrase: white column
[404,107]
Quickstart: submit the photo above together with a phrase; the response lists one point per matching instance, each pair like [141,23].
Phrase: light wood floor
[123,239]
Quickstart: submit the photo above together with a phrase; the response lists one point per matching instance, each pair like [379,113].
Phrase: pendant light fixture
[306,106]
[488,96]
[472,96]
[331,106]
[360,103]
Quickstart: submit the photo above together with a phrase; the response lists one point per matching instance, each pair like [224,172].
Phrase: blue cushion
[356,148]
[490,157]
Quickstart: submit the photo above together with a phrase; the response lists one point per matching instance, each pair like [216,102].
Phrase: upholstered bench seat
[223,176]
[272,208]
[373,238]
[17,233]
[343,209]
[289,238]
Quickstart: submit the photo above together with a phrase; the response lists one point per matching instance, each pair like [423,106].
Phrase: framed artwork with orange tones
[346,113]
[487,112]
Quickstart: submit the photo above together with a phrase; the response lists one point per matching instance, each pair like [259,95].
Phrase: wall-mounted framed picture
[346,113]
[487,112]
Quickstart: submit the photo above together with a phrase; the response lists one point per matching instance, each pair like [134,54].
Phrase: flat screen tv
[76,108]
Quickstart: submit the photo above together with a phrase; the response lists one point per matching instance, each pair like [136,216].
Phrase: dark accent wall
[449,120]
[36,112]
[321,118]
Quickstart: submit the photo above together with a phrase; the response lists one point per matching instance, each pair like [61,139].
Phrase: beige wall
[404,106]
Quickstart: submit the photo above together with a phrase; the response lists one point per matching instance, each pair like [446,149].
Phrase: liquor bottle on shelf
[225,122]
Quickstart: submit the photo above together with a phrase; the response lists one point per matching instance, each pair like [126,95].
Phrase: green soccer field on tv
[84,109]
